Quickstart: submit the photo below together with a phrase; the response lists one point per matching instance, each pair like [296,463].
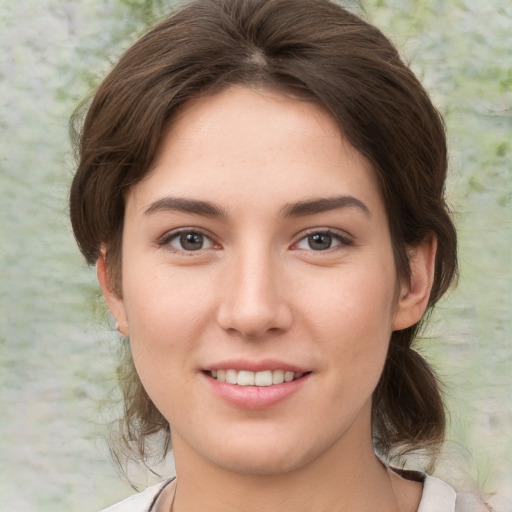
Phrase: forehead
[255,145]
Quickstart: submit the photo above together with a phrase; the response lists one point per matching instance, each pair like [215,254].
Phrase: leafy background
[57,351]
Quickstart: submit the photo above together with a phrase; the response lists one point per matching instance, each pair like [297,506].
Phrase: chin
[270,459]
[260,466]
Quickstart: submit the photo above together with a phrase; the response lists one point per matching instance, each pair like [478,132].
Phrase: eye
[188,241]
[321,241]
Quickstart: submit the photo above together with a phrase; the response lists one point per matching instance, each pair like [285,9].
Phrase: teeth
[277,376]
[231,376]
[247,378]
[263,378]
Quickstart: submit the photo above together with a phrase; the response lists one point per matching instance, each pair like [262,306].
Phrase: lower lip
[255,397]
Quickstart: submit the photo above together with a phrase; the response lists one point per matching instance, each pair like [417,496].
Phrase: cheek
[362,297]
[166,313]
[166,317]
[352,314]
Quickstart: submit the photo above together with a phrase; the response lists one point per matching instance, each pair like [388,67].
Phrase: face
[259,286]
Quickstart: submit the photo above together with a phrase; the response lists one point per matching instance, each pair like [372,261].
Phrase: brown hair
[320,52]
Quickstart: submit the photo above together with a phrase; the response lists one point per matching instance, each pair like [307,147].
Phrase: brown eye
[319,241]
[188,241]
[322,241]
[192,241]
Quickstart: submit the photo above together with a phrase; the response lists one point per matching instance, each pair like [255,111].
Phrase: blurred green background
[57,352]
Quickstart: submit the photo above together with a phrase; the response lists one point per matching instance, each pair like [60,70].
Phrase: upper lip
[255,366]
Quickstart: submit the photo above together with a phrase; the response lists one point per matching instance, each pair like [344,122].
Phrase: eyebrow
[182,204]
[296,209]
[314,206]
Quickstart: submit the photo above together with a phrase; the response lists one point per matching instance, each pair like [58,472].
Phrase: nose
[254,302]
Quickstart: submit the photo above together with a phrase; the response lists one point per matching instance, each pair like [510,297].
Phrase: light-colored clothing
[437,497]
[141,502]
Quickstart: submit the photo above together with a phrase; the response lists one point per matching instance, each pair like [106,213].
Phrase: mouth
[263,378]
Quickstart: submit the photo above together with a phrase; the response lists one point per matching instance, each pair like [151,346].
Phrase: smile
[249,378]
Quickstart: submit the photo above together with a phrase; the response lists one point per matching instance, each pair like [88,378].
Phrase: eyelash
[166,240]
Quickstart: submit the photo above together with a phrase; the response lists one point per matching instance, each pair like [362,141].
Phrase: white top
[437,497]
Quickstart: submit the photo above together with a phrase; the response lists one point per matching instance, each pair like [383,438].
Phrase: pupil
[319,241]
[191,241]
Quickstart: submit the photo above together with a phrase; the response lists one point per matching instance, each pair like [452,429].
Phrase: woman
[261,186]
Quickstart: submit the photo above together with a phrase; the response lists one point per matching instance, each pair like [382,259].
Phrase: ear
[114,301]
[414,296]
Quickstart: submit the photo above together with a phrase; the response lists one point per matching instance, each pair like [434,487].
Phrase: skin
[258,291]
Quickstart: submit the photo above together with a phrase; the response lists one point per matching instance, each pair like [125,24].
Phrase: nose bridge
[253,297]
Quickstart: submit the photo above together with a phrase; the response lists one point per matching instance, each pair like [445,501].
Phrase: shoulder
[438,496]
[140,502]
